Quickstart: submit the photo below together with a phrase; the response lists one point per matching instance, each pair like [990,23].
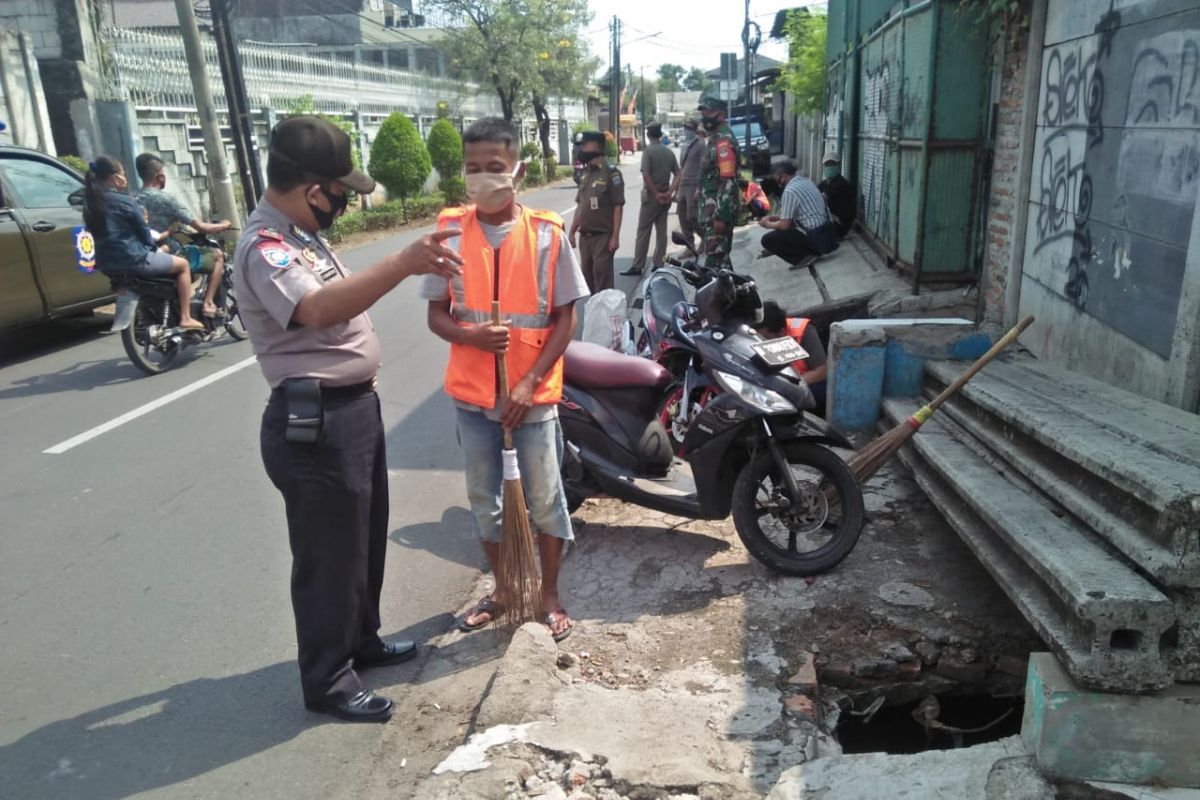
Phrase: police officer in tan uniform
[322,436]
[600,204]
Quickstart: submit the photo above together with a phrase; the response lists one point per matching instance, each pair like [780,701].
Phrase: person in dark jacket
[838,192]
[123,240]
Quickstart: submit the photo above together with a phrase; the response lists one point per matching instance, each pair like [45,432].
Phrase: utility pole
[241,127]
[214,148]
[751,38]
[614,112]
[642,92]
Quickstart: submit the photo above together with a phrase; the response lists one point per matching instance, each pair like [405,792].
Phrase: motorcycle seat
[592,366]
[664,294]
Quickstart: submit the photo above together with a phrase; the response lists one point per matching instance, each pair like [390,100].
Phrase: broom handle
[983,361]
[502,370]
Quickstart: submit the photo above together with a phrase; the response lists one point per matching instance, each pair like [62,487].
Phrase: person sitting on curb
[814,369]
[803,230]
[755,198]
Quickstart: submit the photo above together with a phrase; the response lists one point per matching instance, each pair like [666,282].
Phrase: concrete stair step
[1118,451]
[1102,618]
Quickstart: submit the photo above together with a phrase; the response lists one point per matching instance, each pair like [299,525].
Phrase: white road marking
[142,410]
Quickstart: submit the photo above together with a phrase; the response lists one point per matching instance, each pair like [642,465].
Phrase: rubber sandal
[485,606]
[196,325]
[549,621]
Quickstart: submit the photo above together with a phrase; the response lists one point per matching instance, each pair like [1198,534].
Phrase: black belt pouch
[304,412]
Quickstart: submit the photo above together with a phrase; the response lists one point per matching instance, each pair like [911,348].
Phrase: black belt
[596,233]
[342,392]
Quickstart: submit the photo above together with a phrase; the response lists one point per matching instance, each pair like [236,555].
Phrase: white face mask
[492,191]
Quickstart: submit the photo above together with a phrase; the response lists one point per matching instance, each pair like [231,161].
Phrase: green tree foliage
[804,73]
[580,127]
[446,152]
[697,81]
[74,162]
[399,159]
[533,172]
[506,44]
[670,77]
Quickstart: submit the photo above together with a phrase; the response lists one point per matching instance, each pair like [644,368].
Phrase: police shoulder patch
[270,233]
[616,178]
[278,256]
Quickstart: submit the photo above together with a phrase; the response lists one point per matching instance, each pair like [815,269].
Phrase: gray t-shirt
[569,286]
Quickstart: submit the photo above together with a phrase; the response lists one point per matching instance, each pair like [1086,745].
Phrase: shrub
[385,217]
[75,163]
[533,172]
[531,150]
[610,148]
[580,127]
[399,159]
[454,190]
[445,148]
[550,165]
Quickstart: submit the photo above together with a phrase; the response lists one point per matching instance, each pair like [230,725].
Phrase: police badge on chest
[322,266]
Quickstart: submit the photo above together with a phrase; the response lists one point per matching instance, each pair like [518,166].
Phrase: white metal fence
[150,70]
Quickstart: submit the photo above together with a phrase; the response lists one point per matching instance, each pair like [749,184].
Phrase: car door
[42,188]
[20,300]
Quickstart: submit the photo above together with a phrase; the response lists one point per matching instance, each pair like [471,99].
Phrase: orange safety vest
[796,326]
[527,261]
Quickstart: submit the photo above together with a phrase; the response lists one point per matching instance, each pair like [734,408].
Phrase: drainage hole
[1125,639]
[895,729]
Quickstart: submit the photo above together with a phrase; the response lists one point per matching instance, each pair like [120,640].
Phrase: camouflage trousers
[717,246]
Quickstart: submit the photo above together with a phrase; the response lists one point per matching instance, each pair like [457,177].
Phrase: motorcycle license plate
[779,352]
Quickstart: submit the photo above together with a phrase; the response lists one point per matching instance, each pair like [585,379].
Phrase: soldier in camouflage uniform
[719,195]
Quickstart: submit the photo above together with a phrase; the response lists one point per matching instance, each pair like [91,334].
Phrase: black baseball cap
[319,147]
[654,129]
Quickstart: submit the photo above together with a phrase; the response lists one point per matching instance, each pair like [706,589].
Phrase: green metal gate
[909,92]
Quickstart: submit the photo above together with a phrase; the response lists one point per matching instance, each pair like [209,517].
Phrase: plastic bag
[604,319]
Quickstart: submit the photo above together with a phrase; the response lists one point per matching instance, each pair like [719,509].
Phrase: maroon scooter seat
[595,367]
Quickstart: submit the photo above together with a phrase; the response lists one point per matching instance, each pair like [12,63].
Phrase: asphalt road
[146,639]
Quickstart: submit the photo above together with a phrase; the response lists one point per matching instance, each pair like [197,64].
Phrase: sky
[692,33]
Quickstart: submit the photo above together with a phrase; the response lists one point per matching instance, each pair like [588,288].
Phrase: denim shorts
[539,448]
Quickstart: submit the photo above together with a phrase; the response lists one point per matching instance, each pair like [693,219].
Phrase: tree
[499,43]
[670,77]
[804,73]
[697,81]
[399,159]
[564,67]
[446,152]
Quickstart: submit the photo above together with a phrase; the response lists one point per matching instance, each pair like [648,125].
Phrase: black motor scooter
[751,451]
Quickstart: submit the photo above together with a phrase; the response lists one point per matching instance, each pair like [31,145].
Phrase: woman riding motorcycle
[123,240]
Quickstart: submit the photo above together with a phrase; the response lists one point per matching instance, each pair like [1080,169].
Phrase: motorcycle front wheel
[140,346]
[805,538]
[233,318]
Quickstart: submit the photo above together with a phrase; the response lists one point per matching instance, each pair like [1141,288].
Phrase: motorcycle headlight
[765,400]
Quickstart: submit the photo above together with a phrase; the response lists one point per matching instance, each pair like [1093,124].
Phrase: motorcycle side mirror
[677,238]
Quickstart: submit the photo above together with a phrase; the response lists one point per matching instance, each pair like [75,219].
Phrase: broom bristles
[517,580]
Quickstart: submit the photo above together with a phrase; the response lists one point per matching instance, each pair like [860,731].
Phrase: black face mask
[711,123]
[337,204]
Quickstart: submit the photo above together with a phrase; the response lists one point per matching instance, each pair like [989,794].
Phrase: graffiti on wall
[1116,168]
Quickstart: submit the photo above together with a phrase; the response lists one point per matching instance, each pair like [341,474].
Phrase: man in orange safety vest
[518,256]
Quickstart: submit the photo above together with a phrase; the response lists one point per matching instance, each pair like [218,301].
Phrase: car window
[38,184]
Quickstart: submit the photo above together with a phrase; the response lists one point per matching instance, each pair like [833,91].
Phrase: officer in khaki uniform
[600,204]
[660,178]
[322,436]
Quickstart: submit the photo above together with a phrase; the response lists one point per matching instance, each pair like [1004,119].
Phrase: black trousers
[336,496]
[792,245]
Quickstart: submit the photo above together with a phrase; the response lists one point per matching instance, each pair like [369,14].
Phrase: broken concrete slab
[962,774]
[525,681]
[1085,735]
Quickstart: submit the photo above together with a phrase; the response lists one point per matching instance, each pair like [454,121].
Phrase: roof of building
[761,64]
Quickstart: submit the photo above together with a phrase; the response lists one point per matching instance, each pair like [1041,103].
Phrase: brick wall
[1000,258]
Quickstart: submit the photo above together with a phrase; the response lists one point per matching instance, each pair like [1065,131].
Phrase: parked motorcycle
[148,313]
[751,451]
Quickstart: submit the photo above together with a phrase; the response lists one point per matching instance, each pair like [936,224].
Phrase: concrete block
[855,384]
[1085,735]
[1101,616]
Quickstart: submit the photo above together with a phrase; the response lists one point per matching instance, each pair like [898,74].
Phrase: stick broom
[867,461]
[517,580]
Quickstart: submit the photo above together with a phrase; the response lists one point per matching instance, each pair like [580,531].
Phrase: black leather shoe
[631,271]
[385,653]
[366,706]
